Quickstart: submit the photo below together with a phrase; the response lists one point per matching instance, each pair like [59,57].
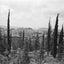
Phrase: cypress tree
[60,47]
[20,40]
[49,38]
[8,32]
[37,44]
[42,49]
[23,38]
[55,35]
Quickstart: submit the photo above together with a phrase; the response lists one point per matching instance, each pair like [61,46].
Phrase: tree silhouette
[42,50]
[55,35]
[23,39]
[8,32]
[60,47]
[49,38]
[20,40]
[37,43]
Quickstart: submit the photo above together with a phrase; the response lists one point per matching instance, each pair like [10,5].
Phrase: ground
[16,57]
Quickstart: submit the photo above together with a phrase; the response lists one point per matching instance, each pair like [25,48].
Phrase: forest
[39,48]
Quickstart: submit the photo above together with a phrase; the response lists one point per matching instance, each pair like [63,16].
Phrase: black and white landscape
[31,32]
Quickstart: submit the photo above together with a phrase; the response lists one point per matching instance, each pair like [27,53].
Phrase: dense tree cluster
[52,43]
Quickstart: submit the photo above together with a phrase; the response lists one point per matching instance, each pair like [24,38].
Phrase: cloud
[32,13]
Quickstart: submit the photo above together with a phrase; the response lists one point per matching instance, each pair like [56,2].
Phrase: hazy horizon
[32,13]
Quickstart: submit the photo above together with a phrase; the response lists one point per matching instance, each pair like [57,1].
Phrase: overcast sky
[32,13]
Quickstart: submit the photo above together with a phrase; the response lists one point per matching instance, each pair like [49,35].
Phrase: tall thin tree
[8,32]
[42,50]
[37,43]
[20,40]
[55,35]
[49,38]
[60,47]
[23,39]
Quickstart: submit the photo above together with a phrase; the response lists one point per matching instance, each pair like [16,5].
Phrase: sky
[32,13]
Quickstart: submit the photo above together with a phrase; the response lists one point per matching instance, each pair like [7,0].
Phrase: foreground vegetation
[45,48]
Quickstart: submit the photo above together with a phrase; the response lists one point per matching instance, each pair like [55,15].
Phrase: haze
[32,13]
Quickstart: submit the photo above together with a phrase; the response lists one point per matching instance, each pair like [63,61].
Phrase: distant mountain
[1,26]
[28,31]
[42,30]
